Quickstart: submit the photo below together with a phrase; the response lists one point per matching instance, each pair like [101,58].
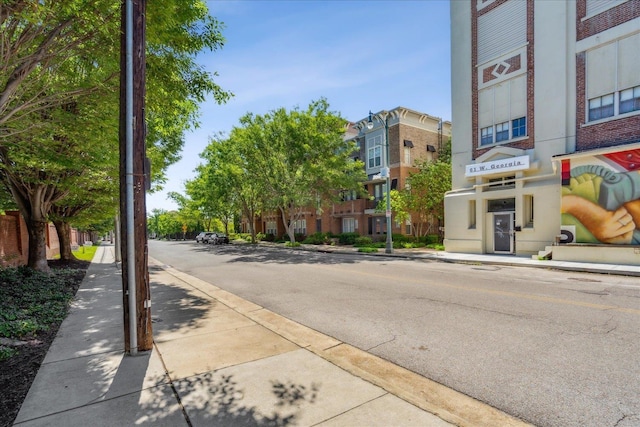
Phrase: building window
[407,155]
[348,225]
[630,100]
[300,227]
[374,152]
[271,228]
[502,131]
[486,135]
[378,192]
[612,83]
[499,107]
[501,183]
[519,127]
[375,156]
[601,107]
[349,195]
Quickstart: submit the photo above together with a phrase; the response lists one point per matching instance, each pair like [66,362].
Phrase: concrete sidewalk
[508,260]
[221,360]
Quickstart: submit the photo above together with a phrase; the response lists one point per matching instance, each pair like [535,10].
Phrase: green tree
[212,197]
[59,95]
[301,157]
[153,223]
[422,200]
[230,177]
[170,224]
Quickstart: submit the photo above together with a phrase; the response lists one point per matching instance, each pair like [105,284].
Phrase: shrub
[431,238]
[348,238]
[363,241]
[317,239]
[292,245]
[367,250]
[403,238]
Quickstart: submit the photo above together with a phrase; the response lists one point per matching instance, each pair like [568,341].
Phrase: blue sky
[359,55]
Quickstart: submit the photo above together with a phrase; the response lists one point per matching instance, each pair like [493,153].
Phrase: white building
[546,147]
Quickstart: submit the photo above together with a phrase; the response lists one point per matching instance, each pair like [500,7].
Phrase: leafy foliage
[318,238]
[283,161]
[422,201]
[31,301]
[59,102]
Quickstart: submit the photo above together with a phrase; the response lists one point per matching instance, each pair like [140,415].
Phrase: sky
[360,55]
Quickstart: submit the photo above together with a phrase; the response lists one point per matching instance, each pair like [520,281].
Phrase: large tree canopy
[59,65]
[287,161]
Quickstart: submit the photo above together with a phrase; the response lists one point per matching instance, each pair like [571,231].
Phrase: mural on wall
[601,198]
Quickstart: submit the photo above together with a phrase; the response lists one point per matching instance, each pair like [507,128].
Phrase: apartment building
[412,136]
[546,149]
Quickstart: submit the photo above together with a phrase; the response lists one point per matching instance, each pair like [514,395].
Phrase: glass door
[503,232]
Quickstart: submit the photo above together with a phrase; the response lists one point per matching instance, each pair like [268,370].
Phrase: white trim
[621,31]
[596,152]
[522,51]
[603,6]
[608,119]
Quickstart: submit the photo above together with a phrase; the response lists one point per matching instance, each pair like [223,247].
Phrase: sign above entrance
[502,165]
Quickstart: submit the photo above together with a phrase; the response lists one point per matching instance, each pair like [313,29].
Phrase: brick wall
[524,144]
[14,240]
[608,19]
[53,244]
[612,132]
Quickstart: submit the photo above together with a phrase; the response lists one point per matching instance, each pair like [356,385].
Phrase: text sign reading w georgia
[502,165]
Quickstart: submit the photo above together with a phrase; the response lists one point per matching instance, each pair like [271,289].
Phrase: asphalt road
[552,348]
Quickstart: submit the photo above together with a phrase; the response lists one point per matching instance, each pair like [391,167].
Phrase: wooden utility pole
[134,12]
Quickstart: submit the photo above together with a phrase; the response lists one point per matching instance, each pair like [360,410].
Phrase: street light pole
[383,117]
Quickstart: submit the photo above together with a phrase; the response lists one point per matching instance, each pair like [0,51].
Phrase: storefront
[505,207]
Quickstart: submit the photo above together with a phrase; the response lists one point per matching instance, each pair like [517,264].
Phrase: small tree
[422,200]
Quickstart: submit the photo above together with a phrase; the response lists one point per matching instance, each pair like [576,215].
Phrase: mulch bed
[18,372]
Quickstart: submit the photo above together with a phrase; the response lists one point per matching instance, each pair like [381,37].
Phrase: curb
[428,395]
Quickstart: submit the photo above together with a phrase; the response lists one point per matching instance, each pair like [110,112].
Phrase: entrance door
[503,232]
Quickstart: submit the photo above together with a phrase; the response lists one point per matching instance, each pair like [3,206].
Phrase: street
[552,348]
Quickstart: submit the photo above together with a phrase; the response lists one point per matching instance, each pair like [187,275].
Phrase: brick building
[412,136]
[546,149]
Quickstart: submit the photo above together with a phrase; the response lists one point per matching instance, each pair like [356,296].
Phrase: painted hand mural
[601,198]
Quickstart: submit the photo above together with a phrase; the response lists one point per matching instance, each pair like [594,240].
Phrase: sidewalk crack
[173,387]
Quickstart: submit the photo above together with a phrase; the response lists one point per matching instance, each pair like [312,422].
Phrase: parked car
[218,238]
[203,237]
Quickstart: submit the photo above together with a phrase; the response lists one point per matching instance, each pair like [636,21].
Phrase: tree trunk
[288,226]
[250,214]
[64,237]
[37,244]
